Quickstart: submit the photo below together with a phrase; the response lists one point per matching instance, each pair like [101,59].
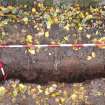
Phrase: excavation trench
[53,64]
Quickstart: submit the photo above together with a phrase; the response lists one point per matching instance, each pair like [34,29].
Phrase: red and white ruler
[54,45]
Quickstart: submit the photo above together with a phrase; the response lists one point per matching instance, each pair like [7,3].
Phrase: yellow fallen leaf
[51,89]
[15,93]
[88,36]
[47,34]
[66,38]
[48,26]
[25,19]
[40,90]
[94,9]
[49,23]
[89,58]
[33,10]
[67,27]
[2,91]
[93,54]
[82,15]
[10,7]
[55,94]
[97,32]
[80,28]
[89,17]
[74,97]
[25,6]
[47,92]
[62,100]
[29,38]
[22,88]
[40,5]
[31,51]
[98,94]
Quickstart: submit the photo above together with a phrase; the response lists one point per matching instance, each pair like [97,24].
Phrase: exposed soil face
[64,64]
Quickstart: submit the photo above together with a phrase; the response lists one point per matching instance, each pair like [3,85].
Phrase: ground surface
[86,93]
